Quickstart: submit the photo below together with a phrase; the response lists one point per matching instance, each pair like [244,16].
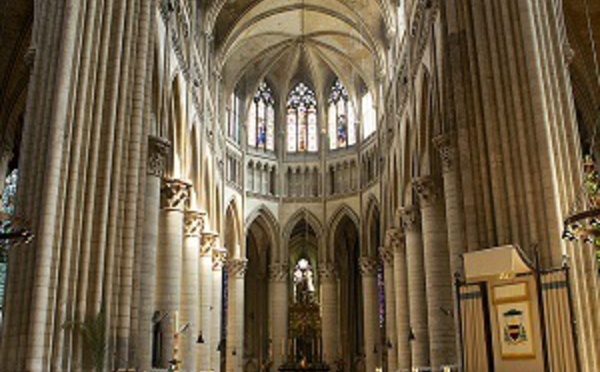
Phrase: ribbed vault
[310,40]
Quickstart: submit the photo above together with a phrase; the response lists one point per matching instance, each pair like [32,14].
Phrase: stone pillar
[387,256]
[329,313]
[395,241]
[368,270]
[157,150]
[206,309]
[219,257]
[457,242]
[417,294]
[278,312]
[236,270]
[174,197]
[446,145]
[190,296]
[437,272]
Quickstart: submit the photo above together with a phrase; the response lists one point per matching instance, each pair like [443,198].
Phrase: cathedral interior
[300,185]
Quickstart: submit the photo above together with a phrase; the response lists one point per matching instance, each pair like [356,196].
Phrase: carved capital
[219,258]
[193,223]
[327,272]
[368,266]
[174,194]
[208,243]
[158,148]
[446,146]
[387,255]
[429,190]
[236,268]
[411,218]
[278,272]
[393,239]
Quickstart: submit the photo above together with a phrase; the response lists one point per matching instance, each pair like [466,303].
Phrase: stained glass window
[233,120]
[340,118]
[369,115]
[261,119]
[302,125]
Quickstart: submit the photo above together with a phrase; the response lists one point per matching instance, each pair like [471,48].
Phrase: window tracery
[369,115]
[302,130]
[261,119]
[341,119]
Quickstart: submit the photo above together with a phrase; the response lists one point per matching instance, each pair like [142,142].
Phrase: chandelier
[583,223]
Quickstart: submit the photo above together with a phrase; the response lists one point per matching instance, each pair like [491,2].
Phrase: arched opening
[259,246]
[347,254]
[305,321]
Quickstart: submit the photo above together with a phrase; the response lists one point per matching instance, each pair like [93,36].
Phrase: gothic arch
[232,231]
[423,118]
[372,232]
[342,211]
[193,163]
[301,214]
[174,130]
[267,221]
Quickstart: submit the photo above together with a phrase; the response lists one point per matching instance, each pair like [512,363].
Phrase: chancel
[300,185]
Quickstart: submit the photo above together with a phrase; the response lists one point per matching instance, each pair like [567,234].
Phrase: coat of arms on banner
[515,329]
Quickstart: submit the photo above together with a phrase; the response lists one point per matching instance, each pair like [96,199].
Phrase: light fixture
[200,339]
[583,222]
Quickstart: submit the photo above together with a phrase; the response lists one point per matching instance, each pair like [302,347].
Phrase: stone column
[395,241]
[457,242]
[278,312]
[190,301]
[417,294]
[437,272]
[446,145]
[236,270]
[157,150]
[206,308]
[387,256]
[368,270]
[174,197]
[329,313]
[219,257]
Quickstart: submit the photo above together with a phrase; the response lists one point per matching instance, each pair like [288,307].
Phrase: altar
[305,348]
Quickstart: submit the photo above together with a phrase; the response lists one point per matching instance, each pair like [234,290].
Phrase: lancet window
[261,119]
[302,127]
[341,118]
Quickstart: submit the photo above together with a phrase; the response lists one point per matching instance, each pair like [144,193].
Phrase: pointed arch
[267,221]
[232,231]
[302,214]
[342,211]
[372,226]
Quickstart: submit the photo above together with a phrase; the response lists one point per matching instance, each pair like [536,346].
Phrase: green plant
[95,342]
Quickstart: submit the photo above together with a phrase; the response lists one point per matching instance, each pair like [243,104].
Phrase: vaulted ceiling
[292,40]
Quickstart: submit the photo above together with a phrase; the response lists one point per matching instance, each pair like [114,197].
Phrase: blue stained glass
[261,119]
[302,120]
